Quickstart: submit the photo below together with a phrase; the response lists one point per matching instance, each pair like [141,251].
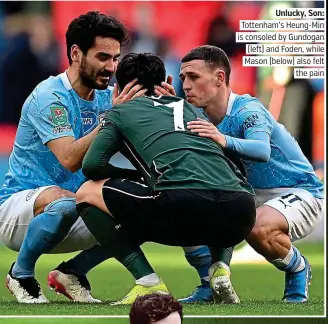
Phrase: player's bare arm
[70,152]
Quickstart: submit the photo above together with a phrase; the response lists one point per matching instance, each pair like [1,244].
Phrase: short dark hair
[153,307]
[213,56]
[83,30]
[148,68]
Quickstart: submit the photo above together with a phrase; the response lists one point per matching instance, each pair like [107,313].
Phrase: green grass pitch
[260,287]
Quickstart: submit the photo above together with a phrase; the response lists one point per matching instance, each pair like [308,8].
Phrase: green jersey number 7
[177,113]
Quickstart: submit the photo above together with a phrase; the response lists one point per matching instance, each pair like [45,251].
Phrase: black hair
[148,68]
[211,55]
[83,30]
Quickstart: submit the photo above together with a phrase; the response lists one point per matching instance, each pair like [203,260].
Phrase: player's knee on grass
[48,196]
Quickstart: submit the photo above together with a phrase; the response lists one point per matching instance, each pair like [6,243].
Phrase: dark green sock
[222,254]
[114,239]
[225,255]
[137,264]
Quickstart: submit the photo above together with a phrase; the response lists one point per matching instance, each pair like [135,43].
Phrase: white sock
[293,261]
[149,280]
[282,263]
[301,266]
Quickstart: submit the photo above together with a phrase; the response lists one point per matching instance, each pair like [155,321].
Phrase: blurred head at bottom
[156,308]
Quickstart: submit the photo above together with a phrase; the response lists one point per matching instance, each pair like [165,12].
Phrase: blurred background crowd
[32,47]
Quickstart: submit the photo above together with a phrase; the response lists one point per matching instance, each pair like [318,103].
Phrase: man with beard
[58,122]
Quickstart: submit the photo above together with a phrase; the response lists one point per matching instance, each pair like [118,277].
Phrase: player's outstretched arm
[254,146]
[51,120]
[255,127]
[69,151]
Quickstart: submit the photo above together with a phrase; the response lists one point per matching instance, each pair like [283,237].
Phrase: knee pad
[63,207]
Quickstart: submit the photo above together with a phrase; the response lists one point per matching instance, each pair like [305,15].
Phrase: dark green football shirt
[152,133]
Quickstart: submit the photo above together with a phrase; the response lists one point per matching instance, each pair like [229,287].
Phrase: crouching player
[289,195]
[187,178]
[59,120]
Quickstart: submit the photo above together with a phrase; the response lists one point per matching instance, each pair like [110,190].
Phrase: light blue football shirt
[287,166]
[53,110]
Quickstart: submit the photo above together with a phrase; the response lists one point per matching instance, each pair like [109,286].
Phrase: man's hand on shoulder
[206,129]
[131,90]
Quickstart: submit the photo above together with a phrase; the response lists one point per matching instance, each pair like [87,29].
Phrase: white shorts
[301,209]
[16,214]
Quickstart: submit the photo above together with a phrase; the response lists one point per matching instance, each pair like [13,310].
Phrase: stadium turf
[260,287]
